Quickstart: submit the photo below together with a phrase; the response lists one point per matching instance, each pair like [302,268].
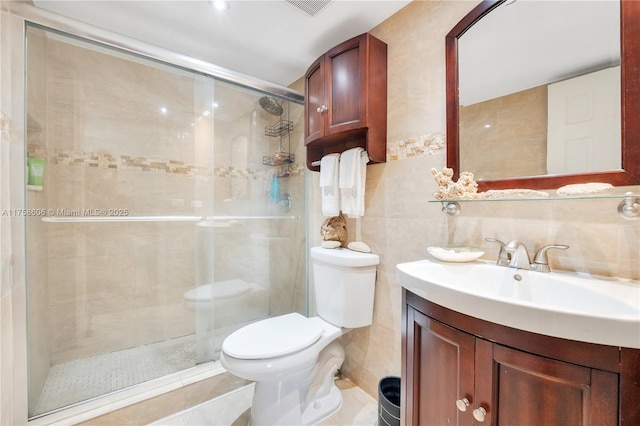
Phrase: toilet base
[323,407]
[266,411]
[303,399]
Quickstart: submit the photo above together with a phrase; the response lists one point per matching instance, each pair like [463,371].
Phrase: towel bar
[317,163]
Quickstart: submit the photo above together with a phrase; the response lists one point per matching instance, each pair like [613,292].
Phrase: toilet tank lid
[344,257]
[273,337]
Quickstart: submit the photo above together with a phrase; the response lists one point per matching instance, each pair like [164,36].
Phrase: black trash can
[389,401]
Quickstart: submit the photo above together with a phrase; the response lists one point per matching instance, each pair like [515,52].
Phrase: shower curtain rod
[96,219]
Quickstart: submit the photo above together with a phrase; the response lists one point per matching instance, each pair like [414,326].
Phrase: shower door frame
[31,14]
[17,16]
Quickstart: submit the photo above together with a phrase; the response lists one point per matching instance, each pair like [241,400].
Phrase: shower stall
[165,209]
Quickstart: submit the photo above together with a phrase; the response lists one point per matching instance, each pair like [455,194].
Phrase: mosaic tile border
[126,162]
[419,146]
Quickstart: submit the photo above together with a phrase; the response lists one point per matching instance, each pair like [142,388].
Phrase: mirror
[477,94]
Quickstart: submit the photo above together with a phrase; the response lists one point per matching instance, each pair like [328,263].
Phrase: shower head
[271,105]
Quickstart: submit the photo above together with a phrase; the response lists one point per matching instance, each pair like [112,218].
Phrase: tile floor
[232,409]
[86,378]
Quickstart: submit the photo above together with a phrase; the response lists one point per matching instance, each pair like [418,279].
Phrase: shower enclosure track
[161,218]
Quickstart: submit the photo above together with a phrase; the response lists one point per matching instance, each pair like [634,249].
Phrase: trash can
[389,401]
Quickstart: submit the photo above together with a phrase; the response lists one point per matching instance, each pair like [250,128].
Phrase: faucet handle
[503,256]
[541,260]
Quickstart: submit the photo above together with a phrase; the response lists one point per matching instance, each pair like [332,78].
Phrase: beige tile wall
[39,338]
[399,223]
[516,138]
[103,279]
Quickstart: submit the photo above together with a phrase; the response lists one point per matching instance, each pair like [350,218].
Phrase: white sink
[583,308]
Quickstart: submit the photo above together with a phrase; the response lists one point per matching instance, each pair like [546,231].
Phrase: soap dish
[455,254]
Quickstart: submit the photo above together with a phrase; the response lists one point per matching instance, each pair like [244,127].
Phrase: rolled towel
[352,181]
[329,168]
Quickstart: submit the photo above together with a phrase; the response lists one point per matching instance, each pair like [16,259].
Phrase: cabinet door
[315,101]
[346,74]
[439,371]
[518,388]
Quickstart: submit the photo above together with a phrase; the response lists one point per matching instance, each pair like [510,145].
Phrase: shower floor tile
[86,378]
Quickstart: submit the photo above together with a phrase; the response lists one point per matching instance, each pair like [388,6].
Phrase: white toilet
[220,308]
[292,358]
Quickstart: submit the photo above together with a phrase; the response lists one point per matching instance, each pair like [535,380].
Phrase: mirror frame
[628,174]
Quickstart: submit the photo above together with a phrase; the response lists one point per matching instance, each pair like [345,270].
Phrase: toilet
[219,308]
[293,359]
[229,302]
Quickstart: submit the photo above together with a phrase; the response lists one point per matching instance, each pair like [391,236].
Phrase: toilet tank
[344,282]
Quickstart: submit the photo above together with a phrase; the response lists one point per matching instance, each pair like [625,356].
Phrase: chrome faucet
[519,256]
[541,261]
[503,257]
[515,255]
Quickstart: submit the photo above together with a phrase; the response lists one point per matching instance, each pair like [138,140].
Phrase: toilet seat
[273,337]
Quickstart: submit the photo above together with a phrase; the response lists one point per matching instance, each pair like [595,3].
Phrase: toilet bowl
[293,359]
[229,302]
[221,308]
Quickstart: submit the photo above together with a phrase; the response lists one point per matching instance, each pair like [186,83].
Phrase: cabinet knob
[479,414]
[322,108]
[462,404]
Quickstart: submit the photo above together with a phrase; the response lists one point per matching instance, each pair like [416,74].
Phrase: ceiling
[268,39]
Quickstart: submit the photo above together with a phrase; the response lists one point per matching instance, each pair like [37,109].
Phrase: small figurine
[334,229]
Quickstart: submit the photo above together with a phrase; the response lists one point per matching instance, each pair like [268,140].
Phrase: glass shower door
[127,148]
[173,214]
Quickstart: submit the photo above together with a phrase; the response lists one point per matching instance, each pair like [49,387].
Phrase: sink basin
[571,306]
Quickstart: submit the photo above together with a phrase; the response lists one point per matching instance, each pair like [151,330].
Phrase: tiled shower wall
[96,280]
[89,165]
[97,120]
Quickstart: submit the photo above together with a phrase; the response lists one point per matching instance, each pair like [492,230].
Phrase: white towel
[353,173]
[329,169]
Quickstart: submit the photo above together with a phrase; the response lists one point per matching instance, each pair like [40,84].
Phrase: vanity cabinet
[459,370]
[346,100]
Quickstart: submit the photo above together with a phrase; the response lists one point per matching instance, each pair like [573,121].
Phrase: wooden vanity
[460,370]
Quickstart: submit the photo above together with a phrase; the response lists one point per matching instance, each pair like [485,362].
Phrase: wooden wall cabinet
[346,100]
[509,377]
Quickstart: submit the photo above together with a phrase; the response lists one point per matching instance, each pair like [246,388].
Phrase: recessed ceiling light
[219,4]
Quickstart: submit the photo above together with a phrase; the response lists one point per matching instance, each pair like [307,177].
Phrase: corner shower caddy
[280,129]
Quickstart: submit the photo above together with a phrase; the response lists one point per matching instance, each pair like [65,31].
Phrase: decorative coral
[465,188]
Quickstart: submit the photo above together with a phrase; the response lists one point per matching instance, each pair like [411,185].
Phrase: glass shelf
[618,194]
[628,208]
